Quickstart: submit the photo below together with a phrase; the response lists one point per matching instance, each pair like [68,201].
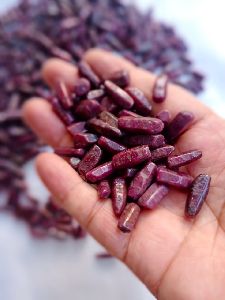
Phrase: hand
[175,258]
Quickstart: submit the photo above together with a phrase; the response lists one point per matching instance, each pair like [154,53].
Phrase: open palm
[176,258]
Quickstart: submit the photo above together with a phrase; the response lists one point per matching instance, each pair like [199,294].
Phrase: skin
[175,257]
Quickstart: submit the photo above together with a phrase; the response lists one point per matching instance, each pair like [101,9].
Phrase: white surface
[51,270]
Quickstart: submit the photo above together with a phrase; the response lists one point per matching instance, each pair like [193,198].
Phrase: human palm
[176,258]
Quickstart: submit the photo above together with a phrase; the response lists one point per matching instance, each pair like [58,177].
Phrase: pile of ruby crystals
[122,148]
[33,31]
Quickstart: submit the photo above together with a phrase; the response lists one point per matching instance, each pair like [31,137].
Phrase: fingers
[80,200]
[38,113]
[39,116]
[104,63]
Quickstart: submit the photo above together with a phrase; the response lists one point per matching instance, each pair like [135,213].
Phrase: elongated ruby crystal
[184,158]
[141,181]
[118,95]
[153,196]
[119,195]
[172,178]
[197,195]
[131,157]
[129,217]
[143,125]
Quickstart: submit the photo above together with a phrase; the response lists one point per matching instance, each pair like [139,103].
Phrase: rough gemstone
[164,116]
[104,189]
[178,180]
[108,104]
[110,146]
[197,195]
[118,95]
[109,118]
[88,109]
[82,87]
[104,128]
[153,196]
[65,116]
[141,181]
[119,195]
[83,140]
[128,173]
[179,124]
[90,160]
[160,89]
[96,94]
[120,78]
[153,141]
[64,95]
[100,173]
[128,113]
[183,158]
[86,71]
[163,152]
[141,103]
[142,125]
[69,152]
[74,162]
[76,128]
[129,217]
[131,157]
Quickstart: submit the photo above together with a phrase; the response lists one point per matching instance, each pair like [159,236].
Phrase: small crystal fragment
[83,140]
[104,128]
[76,128]
[63,94]
[108,105]
[120,78]
[118,95]
[65,116]
[128,173]
[164,116]
[153,196]
[104,189]
[128,113]
[141,103]
[74,162]
[103,255]
[86,71]
[141,181]
[184,158]
[119,195]
[179,124]
[197,195]
[110,146]
[88,109]
[100,173]
[82,87]
[129,217]
[90,160]
[163,152]
[160,89]
[109,118]
[96,94]
[69,152]
[178,180]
